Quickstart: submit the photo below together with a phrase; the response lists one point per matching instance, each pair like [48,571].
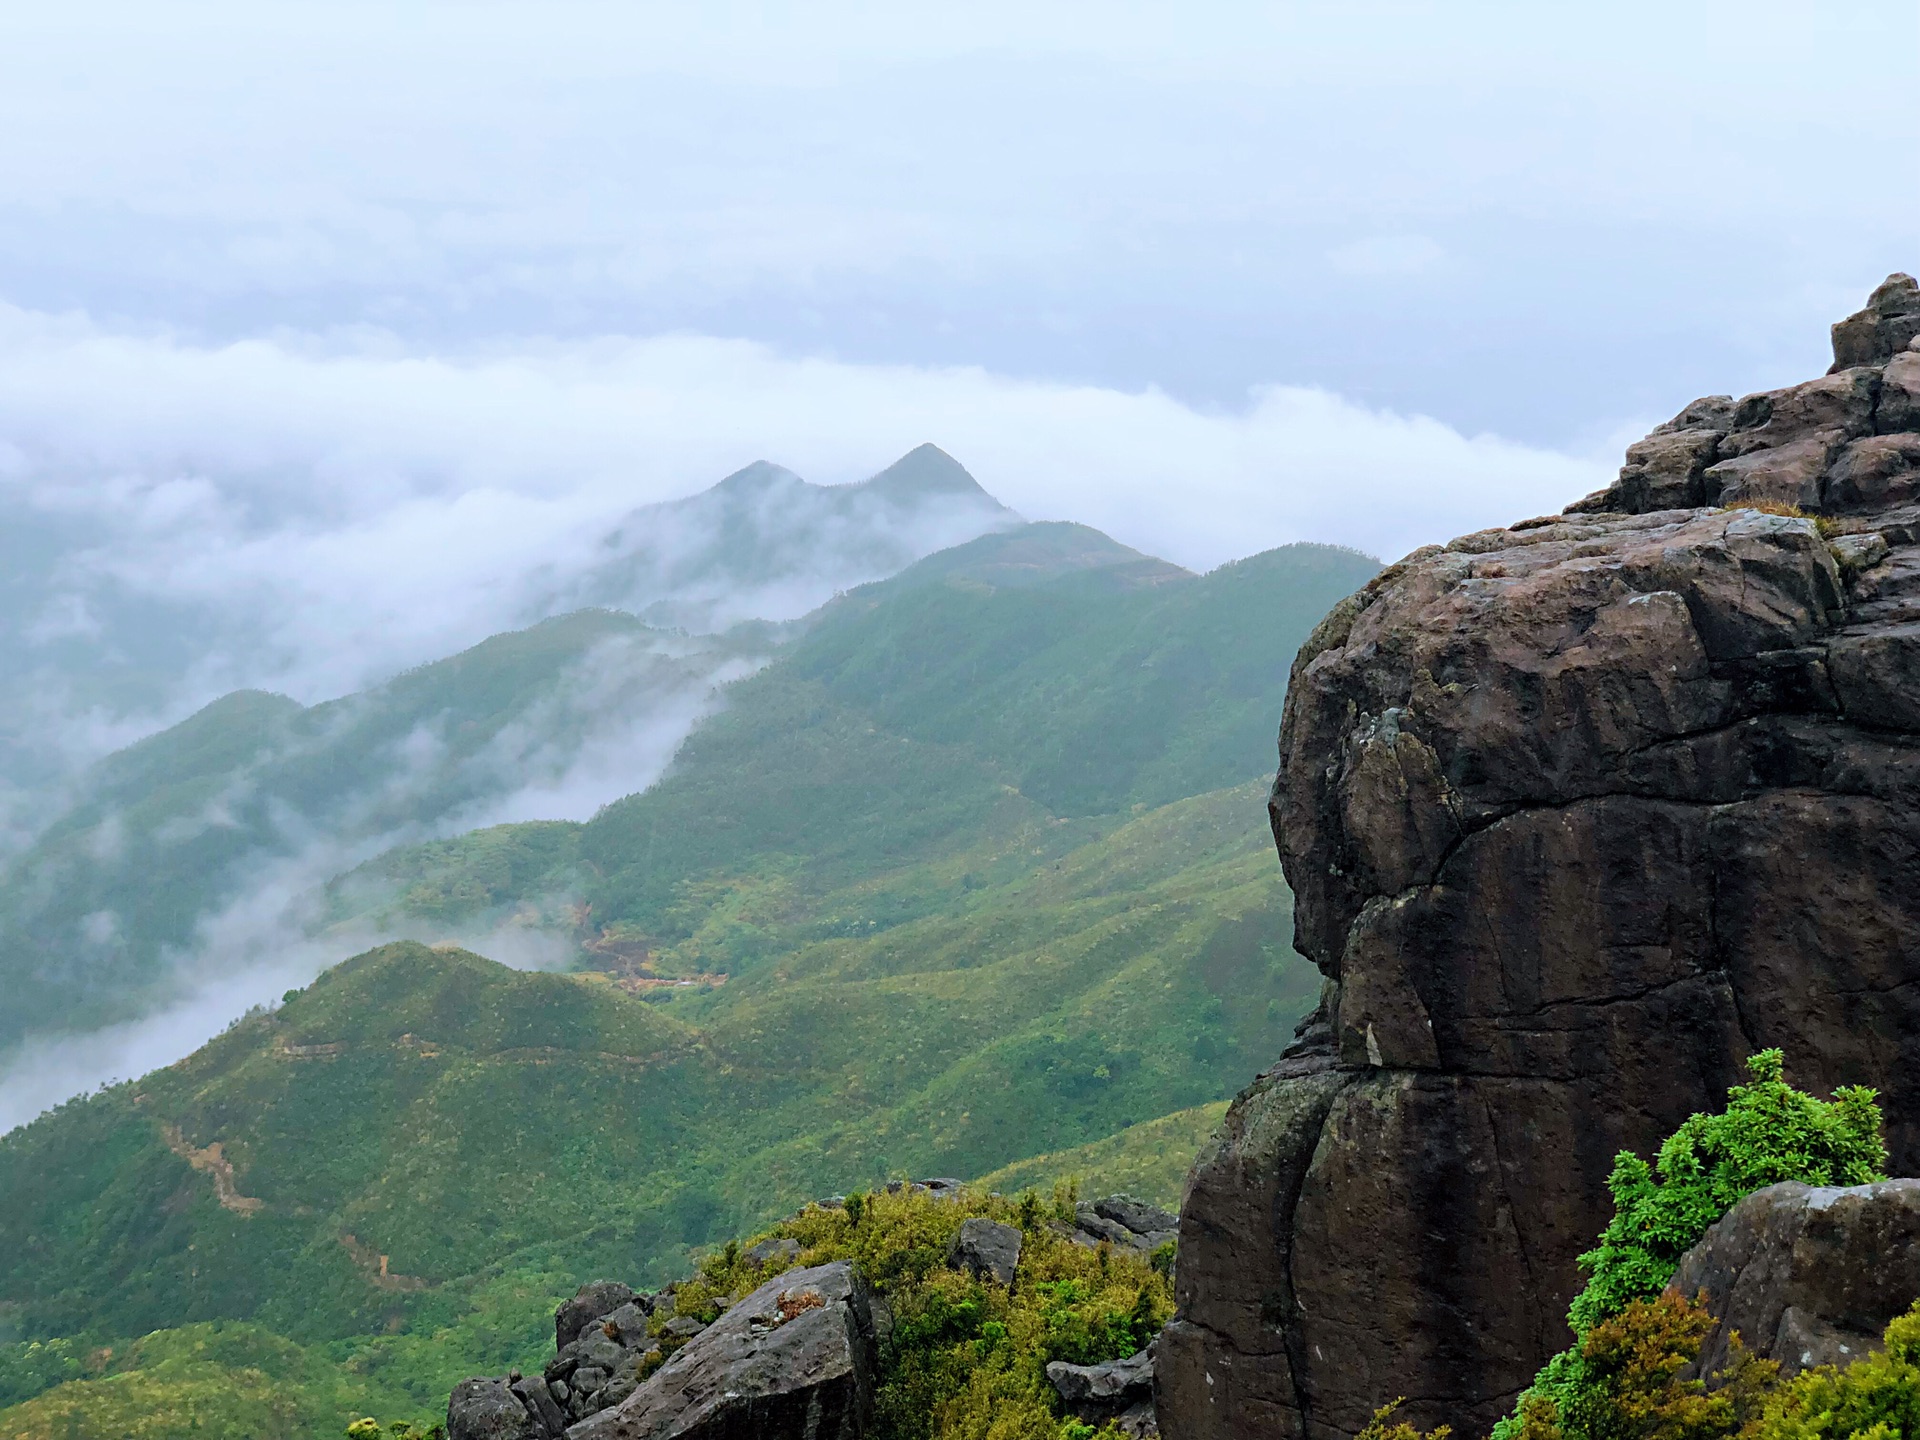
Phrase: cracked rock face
[1577,814]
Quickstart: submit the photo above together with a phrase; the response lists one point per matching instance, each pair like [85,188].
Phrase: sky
[364,320]
[1543,222]
[347,311]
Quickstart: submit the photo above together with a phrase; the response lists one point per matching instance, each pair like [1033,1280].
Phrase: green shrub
[1384,1427]
[1769,1132]
[1876,1397]
[967,1360]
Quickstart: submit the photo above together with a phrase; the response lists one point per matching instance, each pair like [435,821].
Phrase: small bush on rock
[1875,1398]
[1769,1132]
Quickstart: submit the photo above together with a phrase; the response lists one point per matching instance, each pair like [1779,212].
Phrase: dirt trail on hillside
[211,1162]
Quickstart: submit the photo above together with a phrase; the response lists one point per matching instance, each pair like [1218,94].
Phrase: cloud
[371,505]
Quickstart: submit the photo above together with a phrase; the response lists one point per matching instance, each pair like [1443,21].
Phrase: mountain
[183,852]
[1009,698]
[974,869]
[765,544]
[104,631]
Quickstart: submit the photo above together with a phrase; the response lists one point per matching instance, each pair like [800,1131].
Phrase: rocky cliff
[1578,814]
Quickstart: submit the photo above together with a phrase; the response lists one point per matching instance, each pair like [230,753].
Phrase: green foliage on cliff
[1639,1386]
[1768,1133]
[1876,1397]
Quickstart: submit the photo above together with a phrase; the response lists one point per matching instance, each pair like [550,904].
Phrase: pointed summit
[756,479]
[924,472]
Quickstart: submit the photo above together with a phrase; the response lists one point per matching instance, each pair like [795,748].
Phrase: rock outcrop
[1123,1222]
[986,1250]
[795,1358]
[1119,1392]
[1577,814]
[1806,1275]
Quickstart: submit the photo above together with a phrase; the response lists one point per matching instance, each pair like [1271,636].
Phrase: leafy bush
[1769,1132]
[965,1360]
[1875,1398]
[1384,1427]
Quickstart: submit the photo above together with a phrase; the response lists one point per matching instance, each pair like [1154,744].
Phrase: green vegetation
[1149,1160]
[173,828]
[218,1379]
[1639,1387]
[1768,1133]
[977,869]
[966,1359]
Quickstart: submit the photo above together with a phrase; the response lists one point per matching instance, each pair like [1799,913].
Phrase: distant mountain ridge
[89,648]
[766,544]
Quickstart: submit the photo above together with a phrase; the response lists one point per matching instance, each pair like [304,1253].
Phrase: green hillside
[166,832]
[992,707]
[977,871]
[1149,1160]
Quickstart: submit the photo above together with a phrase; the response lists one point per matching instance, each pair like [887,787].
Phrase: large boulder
[1118,1392]
[1806,1275]
[796,1358]
[1577,815]
[593,1301]
[986,1250]
[485,1408]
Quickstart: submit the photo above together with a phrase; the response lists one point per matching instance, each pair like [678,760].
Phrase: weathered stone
[626,1325]
[795,1358]
[1806,1275]
[1137,1215]
[986,1250]
[1577,815]
[1887,325]
[685,1327]
[590,1303]
[1874,473]
[782,1250]
[1119,1391]
[540,1404]
[586,1380]
[485,1408]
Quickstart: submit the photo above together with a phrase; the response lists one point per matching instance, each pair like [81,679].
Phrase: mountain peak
[926,470]
[757,478]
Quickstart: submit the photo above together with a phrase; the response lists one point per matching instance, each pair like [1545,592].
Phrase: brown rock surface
[1577,815]
[1807,1275]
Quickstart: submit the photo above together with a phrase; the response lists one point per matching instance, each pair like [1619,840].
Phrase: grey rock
[986,1250]
[587,1379]
[1138,1216]
[615,1391]
[484,1408]
[1807,1275]
[1860,552]
[796,1358]
[685,1327]
[1089,1221]
[1888,324]
[782,1249]
[940,1188]
[560,1391]
[591,1302]
[626,1326]
[540,1403]
[1120,1391]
